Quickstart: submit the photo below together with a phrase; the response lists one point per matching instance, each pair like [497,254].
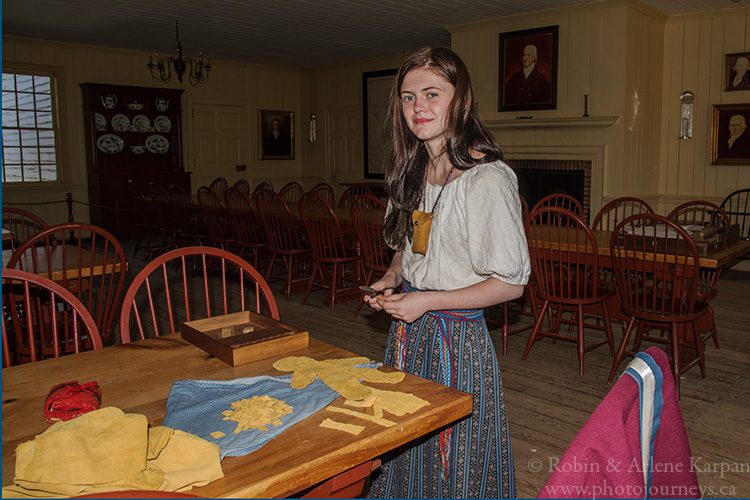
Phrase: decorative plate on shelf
[141,123]
[162,124]
[120,122]
[100,122]
[110,143]
[157,143]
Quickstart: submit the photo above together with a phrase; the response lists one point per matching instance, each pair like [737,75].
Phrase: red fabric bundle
[69,400]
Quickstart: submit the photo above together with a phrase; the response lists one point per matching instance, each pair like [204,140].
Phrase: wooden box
[243,337]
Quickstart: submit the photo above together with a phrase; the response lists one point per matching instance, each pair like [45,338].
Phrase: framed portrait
[737,71]
[376,91]
[275,135]
[730,136]
[528,69]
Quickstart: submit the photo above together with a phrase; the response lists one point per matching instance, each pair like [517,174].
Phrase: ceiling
[298,33]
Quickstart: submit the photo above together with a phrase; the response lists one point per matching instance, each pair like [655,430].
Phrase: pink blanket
[604,460]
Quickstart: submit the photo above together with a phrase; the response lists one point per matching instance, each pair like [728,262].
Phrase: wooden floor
[548,402]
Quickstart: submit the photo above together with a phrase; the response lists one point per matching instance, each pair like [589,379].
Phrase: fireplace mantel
[574,121]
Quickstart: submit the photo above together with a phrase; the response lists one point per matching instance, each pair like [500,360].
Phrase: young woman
[454,217]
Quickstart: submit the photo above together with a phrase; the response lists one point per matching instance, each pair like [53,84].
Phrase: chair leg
[535,331]
[333,284]
[316,264]
[621,350]
[675,344]
[699,347]
[505,328]
[581,340]
[368,276]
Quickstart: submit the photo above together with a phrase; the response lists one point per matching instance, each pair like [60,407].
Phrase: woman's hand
[405,306]
[387,285]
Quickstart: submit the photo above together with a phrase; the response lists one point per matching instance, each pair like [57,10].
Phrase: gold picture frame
[730,134]
[275,134]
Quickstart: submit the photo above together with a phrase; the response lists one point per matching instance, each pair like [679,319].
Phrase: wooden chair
[219,186]
[41,319]
[704,213]
[618,210]
[606,219]
[22,224]
[161,298]
[325,191]
[193,230]
[346,198]
[291,192]
[220,230]
[560,200]
[367,214]
[284,240]
[83,258]
[162,205]
[567,278]
[243,186]
[737,207]
[265,184]
[248,229]
[329,253]
[661,289]
[144,214]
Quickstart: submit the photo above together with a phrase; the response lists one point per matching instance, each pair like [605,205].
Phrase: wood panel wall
[694,49]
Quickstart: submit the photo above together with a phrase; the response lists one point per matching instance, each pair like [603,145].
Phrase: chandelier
[197,68]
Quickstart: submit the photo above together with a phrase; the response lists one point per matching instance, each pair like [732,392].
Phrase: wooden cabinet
[132,133]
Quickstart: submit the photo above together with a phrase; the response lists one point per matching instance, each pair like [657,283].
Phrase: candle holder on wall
[686,114]
[585,105]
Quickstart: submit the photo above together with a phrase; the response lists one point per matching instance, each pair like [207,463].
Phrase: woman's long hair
[408,156]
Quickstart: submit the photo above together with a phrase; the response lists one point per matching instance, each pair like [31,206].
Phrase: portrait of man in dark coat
[527,85]
[528,69]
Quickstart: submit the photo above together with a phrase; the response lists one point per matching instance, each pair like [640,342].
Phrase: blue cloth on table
[196,406]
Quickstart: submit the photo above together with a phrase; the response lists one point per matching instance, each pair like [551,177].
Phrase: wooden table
[711,261]
[137,378]
[70,254]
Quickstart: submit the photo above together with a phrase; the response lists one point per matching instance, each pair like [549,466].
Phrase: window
[30,133]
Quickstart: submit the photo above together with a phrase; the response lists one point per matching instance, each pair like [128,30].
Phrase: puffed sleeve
[497,242]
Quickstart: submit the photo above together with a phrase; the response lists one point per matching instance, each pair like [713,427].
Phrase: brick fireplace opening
[539,178]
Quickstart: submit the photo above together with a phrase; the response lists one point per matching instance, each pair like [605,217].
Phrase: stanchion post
[69,201]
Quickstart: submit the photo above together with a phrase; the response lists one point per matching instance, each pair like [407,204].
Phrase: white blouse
[477,232]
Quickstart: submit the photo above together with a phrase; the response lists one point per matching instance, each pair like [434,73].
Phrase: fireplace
[539,178]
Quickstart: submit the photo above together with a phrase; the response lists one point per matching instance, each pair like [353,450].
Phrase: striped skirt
[480,459]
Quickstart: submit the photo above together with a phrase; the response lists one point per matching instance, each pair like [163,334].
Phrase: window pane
[46,138]
[41,84]
[28,138]
[10,137]
[47,155]
[26,119]
[49,173]
[44,119]
[11,155]
[31,173]
[25,101]
[12,174]
[9,119]
[24,83]
[44,102]
[30,155]
[9,82]
[9,100]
